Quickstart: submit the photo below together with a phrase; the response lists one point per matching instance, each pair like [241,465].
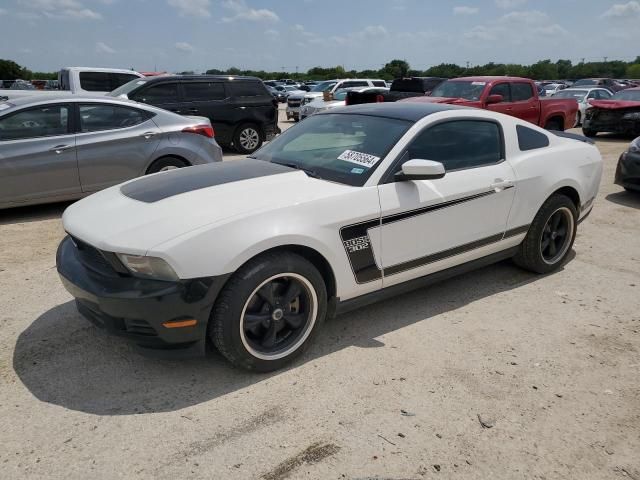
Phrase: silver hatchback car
[55,148]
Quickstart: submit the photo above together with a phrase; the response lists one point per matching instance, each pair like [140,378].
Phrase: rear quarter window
[248,89]
[529,139]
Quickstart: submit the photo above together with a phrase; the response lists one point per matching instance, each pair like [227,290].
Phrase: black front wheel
[589,132]
[268,312]
[550,236]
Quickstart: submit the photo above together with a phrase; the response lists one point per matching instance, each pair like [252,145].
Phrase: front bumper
[628,171]
[136,308]
[611,122]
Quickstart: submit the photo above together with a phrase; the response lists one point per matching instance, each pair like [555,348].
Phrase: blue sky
[179,35]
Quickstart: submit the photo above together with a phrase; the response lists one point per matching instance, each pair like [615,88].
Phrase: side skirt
[395,290]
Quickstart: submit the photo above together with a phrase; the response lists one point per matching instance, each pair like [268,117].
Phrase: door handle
[194,110]
[242,108]
[148,135]
[60,148]
[500,185]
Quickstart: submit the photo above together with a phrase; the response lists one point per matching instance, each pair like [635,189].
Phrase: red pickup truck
[513,96]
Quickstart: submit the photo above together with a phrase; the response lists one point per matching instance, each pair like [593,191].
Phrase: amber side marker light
[180,323]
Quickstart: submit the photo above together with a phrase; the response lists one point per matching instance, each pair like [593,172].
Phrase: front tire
[589,133]
[247,139]
[268,312]
[550,236]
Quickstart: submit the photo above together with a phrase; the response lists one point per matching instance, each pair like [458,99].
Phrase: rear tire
[550,236]
[247,139]
[554,125]
[269,312]
[166,163]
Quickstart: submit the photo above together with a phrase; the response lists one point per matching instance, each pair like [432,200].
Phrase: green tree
[633,71]
[10,70]
[396,69]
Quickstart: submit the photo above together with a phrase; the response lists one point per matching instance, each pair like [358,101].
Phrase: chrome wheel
[249,138]
[278,316]
[557,236]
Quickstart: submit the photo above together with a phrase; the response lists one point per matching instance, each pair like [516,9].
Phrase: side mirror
[495,98]
[420,170]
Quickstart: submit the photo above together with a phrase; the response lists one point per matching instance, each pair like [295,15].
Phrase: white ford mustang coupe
[346,208]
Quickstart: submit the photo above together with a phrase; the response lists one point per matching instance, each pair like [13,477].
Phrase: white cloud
[184,47]
[510,3]
[529,17]
[102,47]
[61,9]
[464,10]
[272,33]
[480,32]
[191,8]
[623,10]
[243,12]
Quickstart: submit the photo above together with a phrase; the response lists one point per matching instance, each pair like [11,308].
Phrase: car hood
[614,104]
[146,212]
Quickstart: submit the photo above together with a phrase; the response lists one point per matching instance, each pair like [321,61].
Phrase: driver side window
[502,89]
[459,144]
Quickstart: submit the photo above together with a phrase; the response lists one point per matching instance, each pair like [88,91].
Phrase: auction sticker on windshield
[359,158]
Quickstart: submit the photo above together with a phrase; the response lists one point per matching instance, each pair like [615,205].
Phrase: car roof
[490,79]
[201,77]
[54,97]
[100,69]
[411,112]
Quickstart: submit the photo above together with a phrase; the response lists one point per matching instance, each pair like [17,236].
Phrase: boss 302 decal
[357,242]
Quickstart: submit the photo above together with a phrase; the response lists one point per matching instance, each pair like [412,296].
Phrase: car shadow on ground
[35,213]
[627,199]
[64,360]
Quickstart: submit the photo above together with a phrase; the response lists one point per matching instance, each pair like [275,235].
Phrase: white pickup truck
[80,80]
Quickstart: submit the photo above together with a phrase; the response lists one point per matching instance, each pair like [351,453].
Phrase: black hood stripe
[175,182]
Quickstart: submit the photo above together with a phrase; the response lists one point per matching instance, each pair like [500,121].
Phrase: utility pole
[468,64]
[605,59]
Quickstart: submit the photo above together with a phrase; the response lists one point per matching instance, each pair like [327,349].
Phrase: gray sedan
[62,148]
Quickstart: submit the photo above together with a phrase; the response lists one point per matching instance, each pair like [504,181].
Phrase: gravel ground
[496,374]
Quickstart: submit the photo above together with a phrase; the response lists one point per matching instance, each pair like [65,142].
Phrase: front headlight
[148,267]
[635,146]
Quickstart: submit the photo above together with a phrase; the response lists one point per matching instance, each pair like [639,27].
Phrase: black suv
[242,111]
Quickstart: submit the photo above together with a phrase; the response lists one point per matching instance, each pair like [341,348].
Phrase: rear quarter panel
[565,108]
[541,172]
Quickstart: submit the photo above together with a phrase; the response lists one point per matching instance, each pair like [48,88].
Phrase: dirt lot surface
[399,390]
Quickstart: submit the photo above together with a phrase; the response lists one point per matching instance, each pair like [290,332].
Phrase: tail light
[206,130]
[379,98]
[346,100]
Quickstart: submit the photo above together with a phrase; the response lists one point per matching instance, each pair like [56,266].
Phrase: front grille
[294,102]
[94,259]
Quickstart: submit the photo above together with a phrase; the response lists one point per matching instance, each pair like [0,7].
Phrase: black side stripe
[357,242]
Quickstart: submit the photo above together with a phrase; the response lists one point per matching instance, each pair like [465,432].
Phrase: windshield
[577,94]
[322,87]
[586,81]
[457,89]
[343,148]
[629,95]
[127,88]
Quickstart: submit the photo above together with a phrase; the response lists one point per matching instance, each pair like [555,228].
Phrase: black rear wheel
[550,236]
[247,139]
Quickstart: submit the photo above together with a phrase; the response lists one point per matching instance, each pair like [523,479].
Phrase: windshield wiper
[309,172]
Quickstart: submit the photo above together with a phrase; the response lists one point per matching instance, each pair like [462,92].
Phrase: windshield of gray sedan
[343,148]
[323,87]
[466,90]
